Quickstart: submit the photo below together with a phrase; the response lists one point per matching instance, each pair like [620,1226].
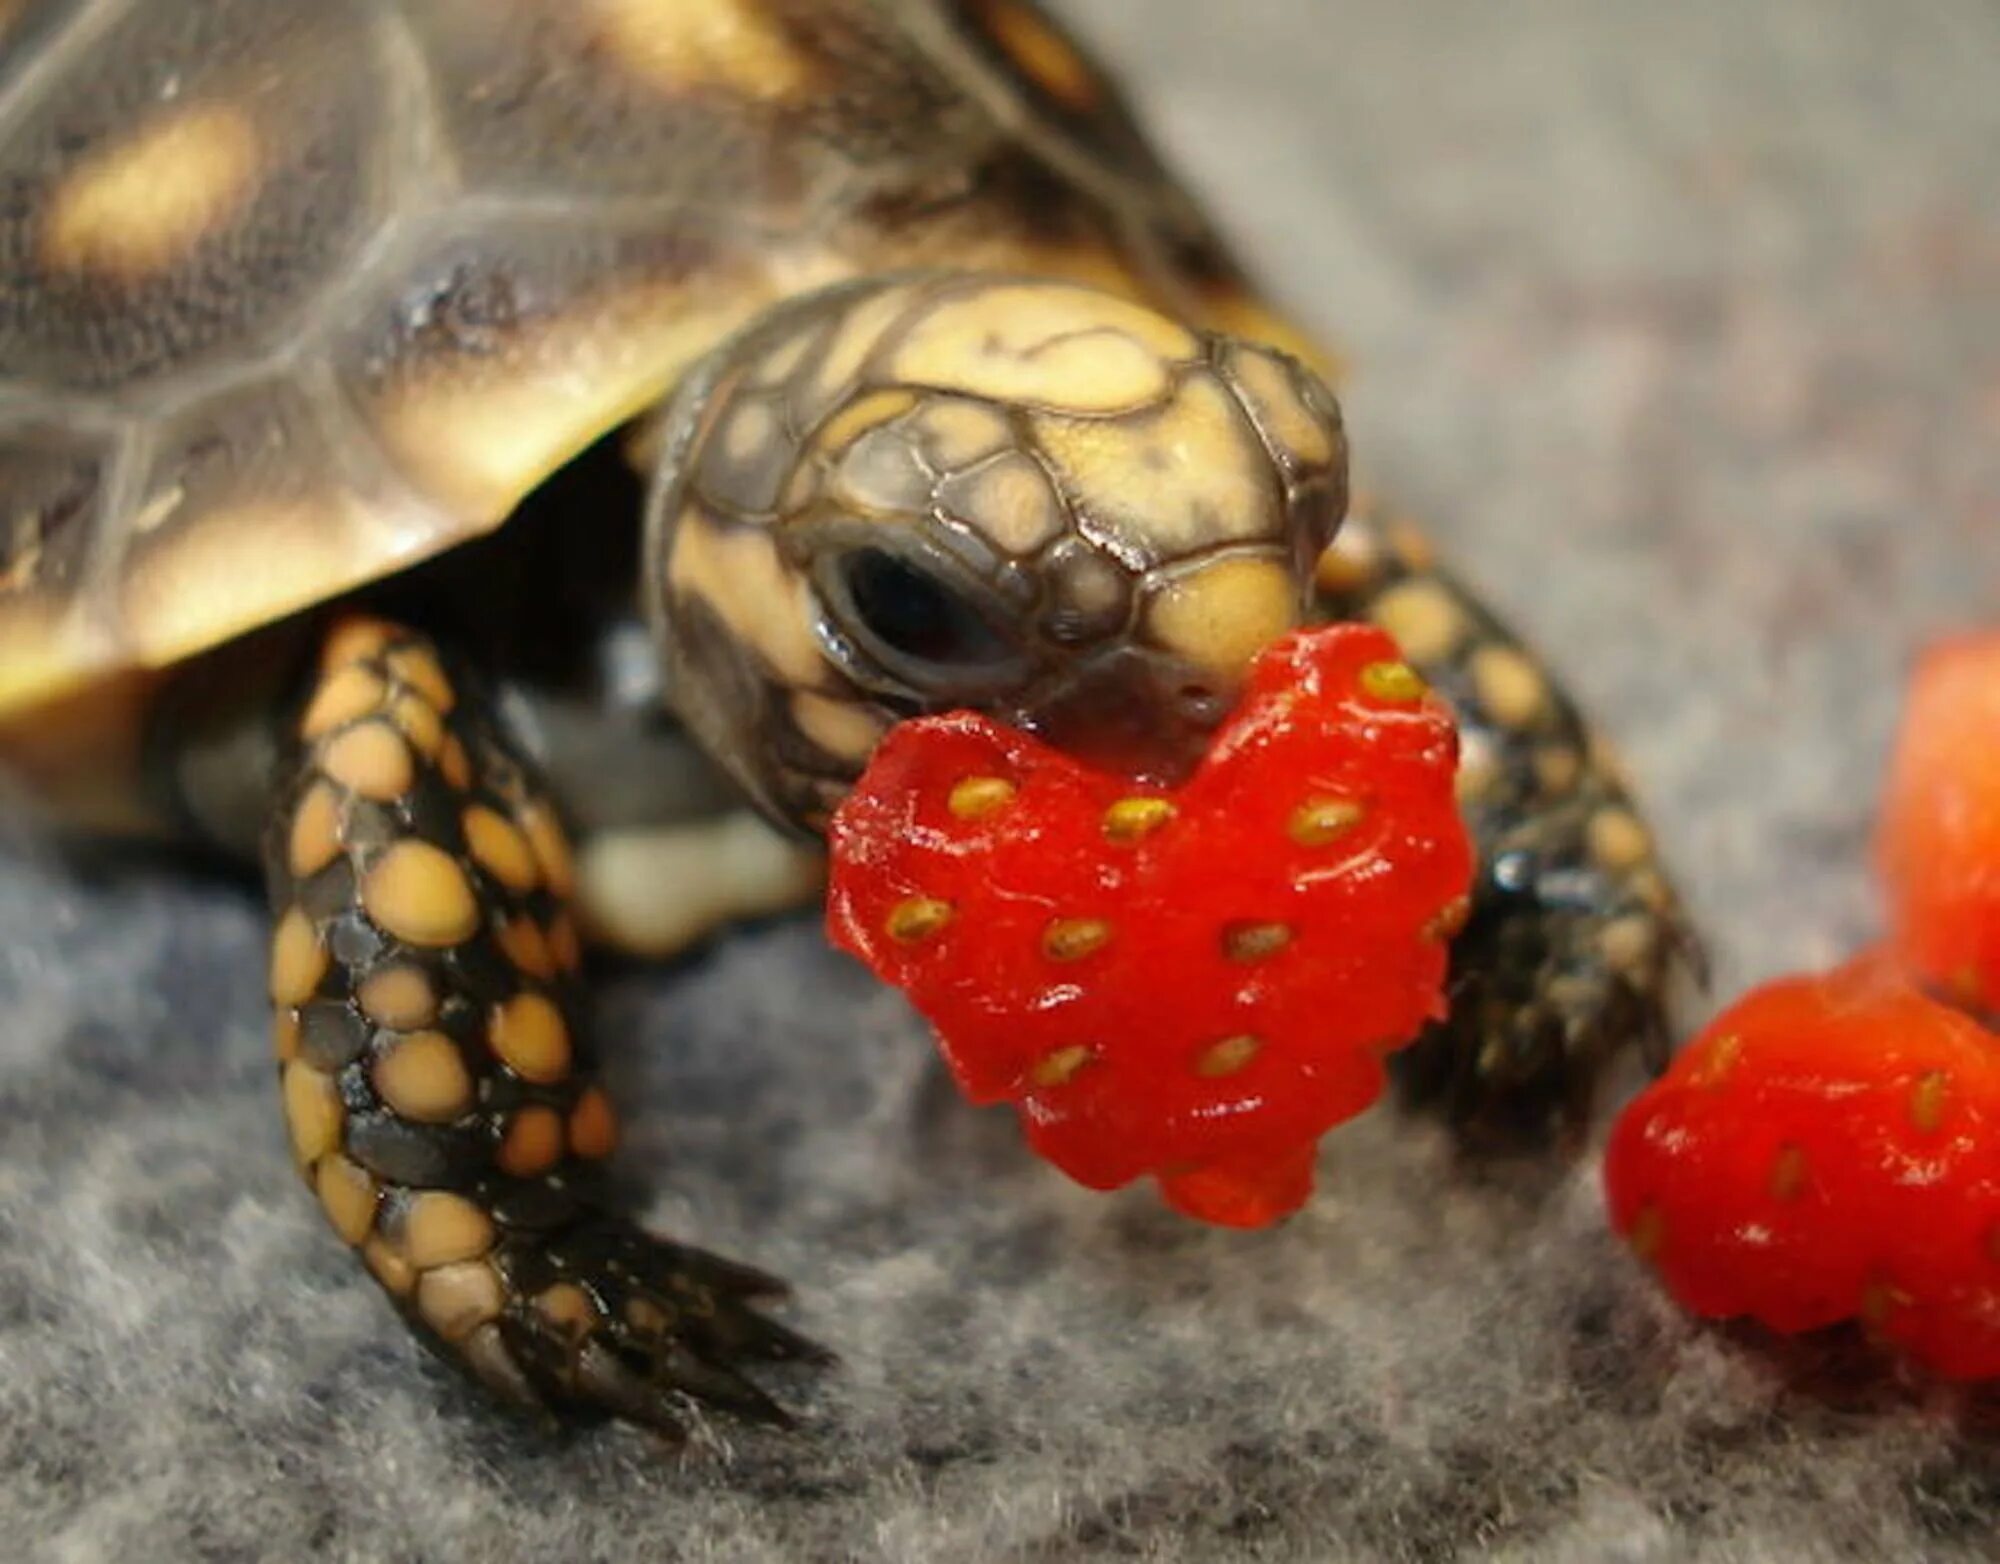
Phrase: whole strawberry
[1827,1149]
[1938,843]
[1193,983]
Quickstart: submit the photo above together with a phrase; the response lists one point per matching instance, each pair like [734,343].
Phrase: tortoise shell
[295,293]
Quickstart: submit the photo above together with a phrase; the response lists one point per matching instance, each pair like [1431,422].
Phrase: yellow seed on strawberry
[977,798]
[1061,1065]
[1132,819]
[1255,941]
[917,918]
[1228,1056]
[1319,821]
[1071,939]
[1393,681]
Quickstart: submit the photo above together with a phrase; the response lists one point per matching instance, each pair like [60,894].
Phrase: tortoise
[827,362]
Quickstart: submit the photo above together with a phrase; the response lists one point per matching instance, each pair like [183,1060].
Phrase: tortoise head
[1026,498]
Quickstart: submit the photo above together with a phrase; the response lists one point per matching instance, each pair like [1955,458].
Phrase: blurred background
[1680,326]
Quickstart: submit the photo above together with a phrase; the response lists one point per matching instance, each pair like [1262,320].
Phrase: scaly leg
[1576,940]
[436,1075]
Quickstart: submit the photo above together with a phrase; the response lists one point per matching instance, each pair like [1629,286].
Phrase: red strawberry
[1827,1149]
[1194,983]
[1938,843]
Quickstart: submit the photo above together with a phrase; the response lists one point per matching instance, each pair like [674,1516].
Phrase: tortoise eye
[912,613]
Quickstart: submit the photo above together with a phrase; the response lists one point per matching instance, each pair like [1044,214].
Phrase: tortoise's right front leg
[436,1076]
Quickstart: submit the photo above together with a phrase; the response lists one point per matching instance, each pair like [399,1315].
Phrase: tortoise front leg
[1576,941]
[436,1072]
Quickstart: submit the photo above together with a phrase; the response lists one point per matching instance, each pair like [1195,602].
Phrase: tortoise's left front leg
[436,1061]
[1576,941]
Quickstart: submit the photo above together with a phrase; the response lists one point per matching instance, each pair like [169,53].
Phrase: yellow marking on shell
[442,1229]
[475,432]
[1423,618]
[1188,476]
[917,918]
[1048,344]
[956,433]
[455,1300]
[1253,942]
[567,1307]
[1042,54]
[347,1195]
[418,893]
[730,47]
[138,207]
[1010,501]
[1227,1057]
[980,798]
[563,942]
[1072,939]
[533,1143]
[400,998]
[498,846]
[1510,688]
[1350,562]
[1280,408]
[419,668]
[232,566]
[285,1035]
[593,1127]
[313,1112]
[550,845]
[1649,1232]
[372,759]
[840,727]
[298,959]
[531,1038]
[1133,819]
[453,763]
[1224,613]
[423,1077]
[761,602]
[1393,681]
[388,1267]
[315,835]
[355,640]
[1618,841]
[524,944]
[350,694]
[1927,1101]
[869,411]
[1320,821]
[421,725]
[1061,1065]
[749,428]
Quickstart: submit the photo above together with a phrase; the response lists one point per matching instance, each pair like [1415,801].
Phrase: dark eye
[915,614]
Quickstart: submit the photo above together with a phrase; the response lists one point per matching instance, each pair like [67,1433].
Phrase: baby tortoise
[943,394]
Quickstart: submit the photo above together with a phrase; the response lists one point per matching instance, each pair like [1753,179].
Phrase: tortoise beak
[1137,713]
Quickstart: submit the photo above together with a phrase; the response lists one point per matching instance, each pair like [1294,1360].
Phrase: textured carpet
[1681,324]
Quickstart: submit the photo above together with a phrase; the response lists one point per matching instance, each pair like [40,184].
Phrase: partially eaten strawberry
[1194,983]
[1828,1148]
[1938,843]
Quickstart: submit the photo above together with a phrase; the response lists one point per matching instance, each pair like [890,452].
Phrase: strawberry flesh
[1193,983]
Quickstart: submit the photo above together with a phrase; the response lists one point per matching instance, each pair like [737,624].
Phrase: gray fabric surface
[1681,324]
